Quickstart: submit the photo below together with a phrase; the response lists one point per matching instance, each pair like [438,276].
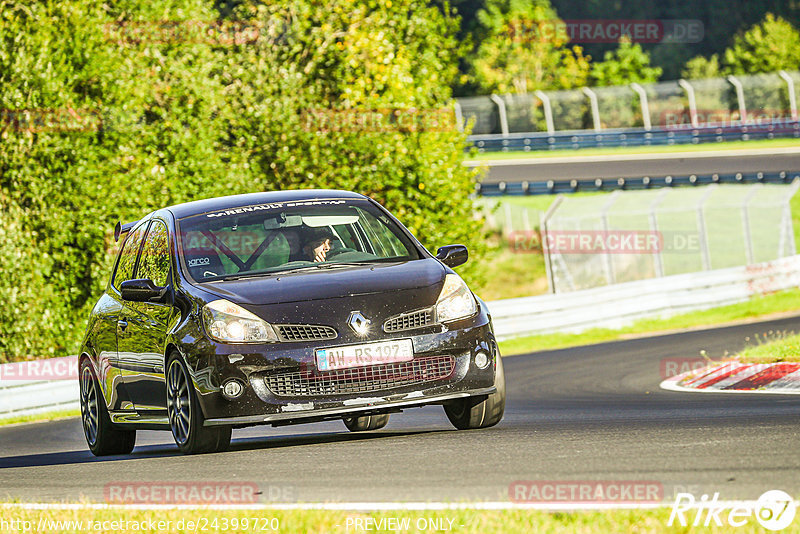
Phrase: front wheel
[366,422]
[468,413]
[186,419]
[101,435]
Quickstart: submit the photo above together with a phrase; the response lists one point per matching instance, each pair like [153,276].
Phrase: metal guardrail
[616,305]
[644,182]
[741,107]
[38,386]
[609,306]
[632,137]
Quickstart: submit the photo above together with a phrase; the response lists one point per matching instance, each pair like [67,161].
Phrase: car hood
[343,281]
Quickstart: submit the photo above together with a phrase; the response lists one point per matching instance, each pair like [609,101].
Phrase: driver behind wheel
[318,244]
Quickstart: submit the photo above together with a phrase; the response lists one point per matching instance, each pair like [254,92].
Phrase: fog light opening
[481,360]
[232,389]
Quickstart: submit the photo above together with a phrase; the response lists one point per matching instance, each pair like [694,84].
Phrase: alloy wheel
[179,405]
[89,408]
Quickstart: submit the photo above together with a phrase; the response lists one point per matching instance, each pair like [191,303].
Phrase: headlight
[455,300]
[230,323]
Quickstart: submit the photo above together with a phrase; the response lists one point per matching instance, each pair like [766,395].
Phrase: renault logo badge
[359,323]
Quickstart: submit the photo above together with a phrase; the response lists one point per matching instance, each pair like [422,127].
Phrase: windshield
[279,237]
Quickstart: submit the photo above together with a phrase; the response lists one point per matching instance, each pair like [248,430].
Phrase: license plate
[397,350]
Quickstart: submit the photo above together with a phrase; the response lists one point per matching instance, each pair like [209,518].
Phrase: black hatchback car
[281,308]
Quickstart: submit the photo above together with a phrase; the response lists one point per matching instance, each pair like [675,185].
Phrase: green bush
[110,110]
[769,46]
[627,64]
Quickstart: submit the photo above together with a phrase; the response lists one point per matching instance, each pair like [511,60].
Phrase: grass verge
[456,521]
[758,307]
[619,151]
[46,416]
[772,347]
[510,274]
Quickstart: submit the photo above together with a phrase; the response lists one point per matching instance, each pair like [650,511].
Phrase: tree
[722,20]
[357,97]
[169,101]
[769,46]
[700,68]
[627,64]
[523,47]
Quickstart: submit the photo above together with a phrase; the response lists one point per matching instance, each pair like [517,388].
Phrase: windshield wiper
[331,265]
[323,265]
[326,265]
[238,276]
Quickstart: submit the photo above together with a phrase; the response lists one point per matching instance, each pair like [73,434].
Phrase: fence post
[459,116]
[501,108]
[595,107]
[509,229]
[792,97]
[548,267]
[548,111]
[659,255]
[643,102]
[786,234]
[748,238]
[610,276]
[692,102]
[739,97]
[705,254]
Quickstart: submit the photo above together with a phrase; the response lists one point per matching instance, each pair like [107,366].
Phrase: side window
[385,243]
[127,258]
[154,262]
[348,236]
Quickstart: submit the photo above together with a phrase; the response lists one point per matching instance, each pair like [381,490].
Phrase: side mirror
[452,255]
[143,290]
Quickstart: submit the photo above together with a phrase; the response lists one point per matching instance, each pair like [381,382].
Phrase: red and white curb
[736,377]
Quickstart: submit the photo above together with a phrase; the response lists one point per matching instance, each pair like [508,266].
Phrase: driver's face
[324,245]
[318,250]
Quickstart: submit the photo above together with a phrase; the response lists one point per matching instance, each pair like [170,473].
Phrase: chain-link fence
[508,219]
[620,237]
[754,99]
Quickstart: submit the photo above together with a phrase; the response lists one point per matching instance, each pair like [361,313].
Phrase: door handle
[122,324]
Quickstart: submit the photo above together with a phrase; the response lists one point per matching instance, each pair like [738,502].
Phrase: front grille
[409,321]
[361,379]
[305,332]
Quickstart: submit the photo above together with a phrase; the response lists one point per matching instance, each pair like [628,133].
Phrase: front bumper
[260,405]
[389,403]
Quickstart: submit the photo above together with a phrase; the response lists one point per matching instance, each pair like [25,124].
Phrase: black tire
[470,413]
[185,417]
[366,422]
[101,435]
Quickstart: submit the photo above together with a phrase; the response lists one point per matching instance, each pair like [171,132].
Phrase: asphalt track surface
[590,413]
[639,165]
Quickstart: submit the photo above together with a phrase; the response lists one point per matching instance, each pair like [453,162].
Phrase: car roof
[196,207]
